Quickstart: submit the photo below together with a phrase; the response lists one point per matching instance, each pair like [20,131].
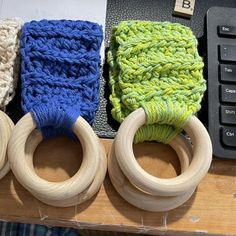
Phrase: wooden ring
[6,126]
[23,170]
[200,164]
[32,142]
[144,200]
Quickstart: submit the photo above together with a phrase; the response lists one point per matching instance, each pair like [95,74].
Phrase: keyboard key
[228,53]
[228,136]
[228,73]
[228,114]
[227,31]
[228,93]
[221,85]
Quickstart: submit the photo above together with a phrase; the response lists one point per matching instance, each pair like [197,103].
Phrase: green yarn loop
[155,65]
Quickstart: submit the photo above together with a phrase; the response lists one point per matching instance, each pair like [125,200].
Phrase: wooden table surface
[211,210]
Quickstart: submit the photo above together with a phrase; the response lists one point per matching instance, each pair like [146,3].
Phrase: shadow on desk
[133,214]
[223,167]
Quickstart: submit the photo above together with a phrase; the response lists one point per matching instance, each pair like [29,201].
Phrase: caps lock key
[228,93]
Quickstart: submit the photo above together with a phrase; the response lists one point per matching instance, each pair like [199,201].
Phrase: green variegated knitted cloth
[155,65]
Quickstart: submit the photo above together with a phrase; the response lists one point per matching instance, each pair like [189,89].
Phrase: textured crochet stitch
[155,65]
[9,59]
[60,73]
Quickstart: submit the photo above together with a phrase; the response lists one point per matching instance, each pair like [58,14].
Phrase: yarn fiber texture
[60,73]
[155,65]
[9,59]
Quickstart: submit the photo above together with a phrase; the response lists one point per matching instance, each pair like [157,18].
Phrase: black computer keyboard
[221,69]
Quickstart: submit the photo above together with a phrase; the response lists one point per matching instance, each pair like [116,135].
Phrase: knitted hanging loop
[9,68]
[155,65]
[157,84]
[9,60]
[60,74]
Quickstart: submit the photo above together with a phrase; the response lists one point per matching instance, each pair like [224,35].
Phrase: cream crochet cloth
[9,59]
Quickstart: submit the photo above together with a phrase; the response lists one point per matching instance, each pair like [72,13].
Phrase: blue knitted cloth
[60,73]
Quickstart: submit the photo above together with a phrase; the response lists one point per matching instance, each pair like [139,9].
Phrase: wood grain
[212,209]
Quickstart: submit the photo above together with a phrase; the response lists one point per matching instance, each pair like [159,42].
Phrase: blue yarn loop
[60,73]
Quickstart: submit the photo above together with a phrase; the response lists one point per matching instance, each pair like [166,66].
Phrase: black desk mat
[117,10]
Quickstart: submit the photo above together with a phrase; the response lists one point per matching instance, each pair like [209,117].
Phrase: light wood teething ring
[32,142]
[61,193]
[6,126]
[202,156]
[144,200]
